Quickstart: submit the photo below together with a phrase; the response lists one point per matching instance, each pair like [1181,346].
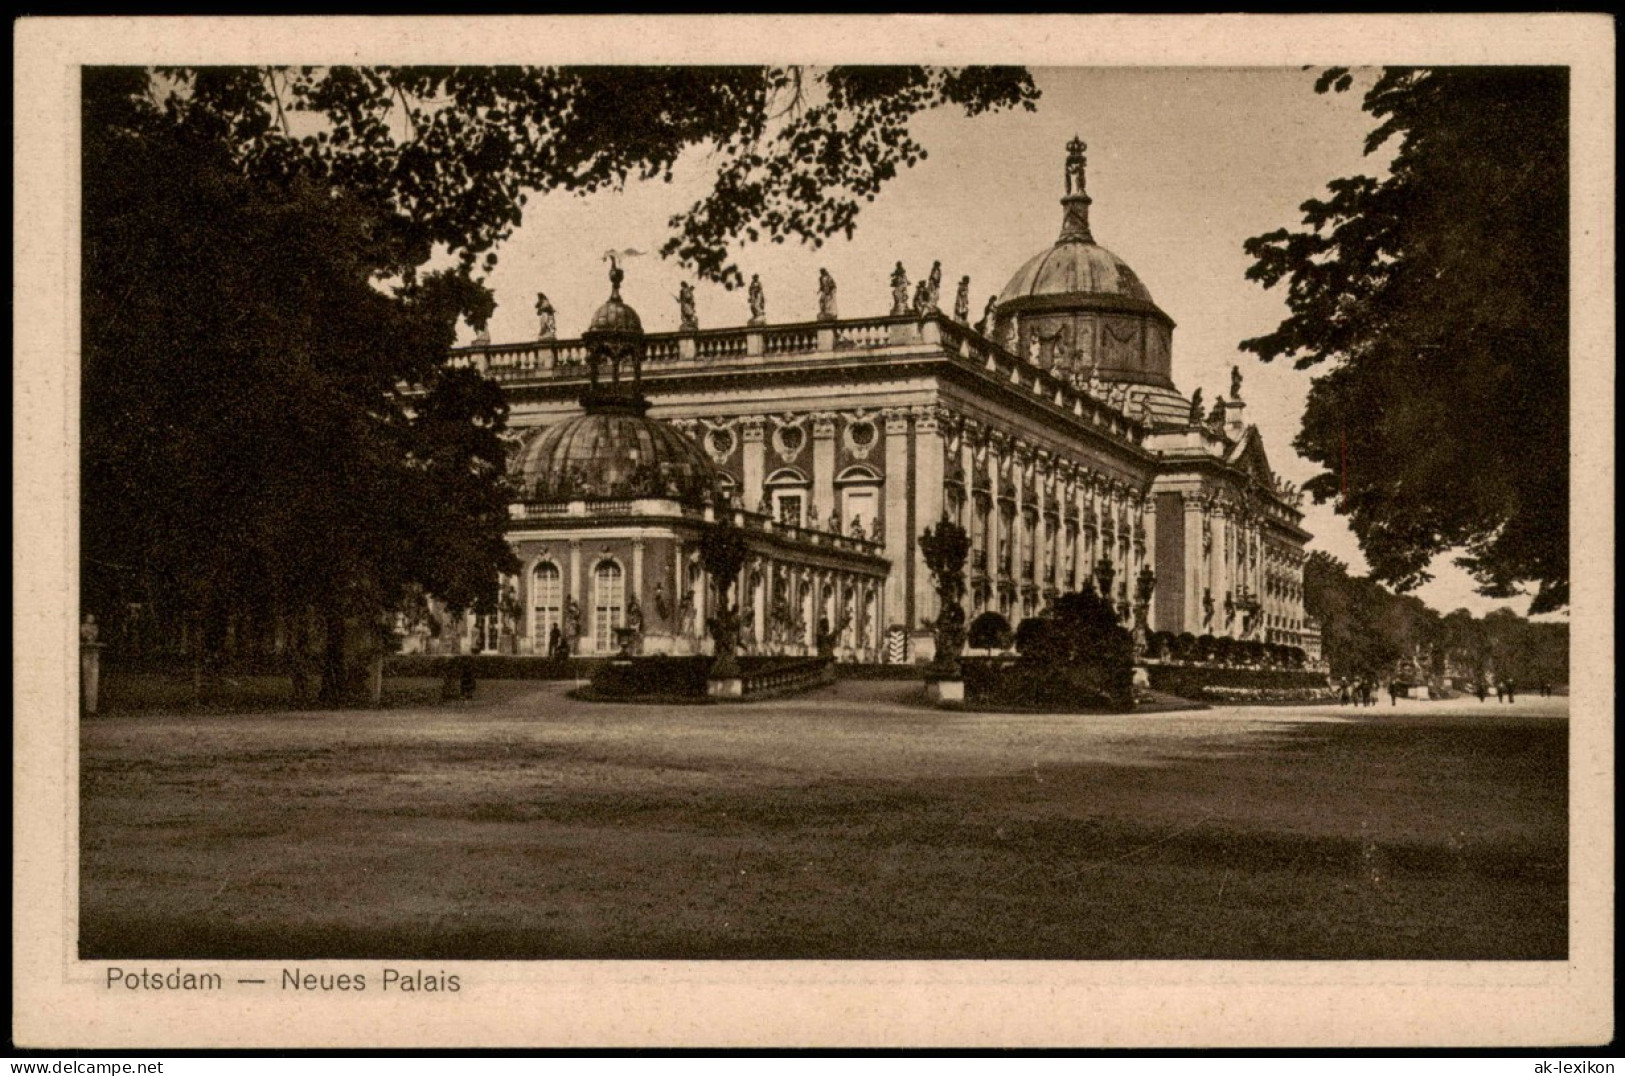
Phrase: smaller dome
[614,455]
[616,317]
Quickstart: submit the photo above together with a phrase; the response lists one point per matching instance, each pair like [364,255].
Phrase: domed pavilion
[612,504]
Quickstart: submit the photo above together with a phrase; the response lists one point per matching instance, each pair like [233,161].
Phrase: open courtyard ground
[847,823]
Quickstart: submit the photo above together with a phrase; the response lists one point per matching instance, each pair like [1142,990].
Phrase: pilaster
[899,542]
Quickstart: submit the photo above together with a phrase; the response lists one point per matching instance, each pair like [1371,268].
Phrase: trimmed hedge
[1026,684]
[654,675]
[1194,681]
[658,675]
[493,666]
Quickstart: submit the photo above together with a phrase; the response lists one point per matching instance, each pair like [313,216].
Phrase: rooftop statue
[549,329]
[1195,418]
[922,298]
[758,301]
[899,291]
[826,296]
[934,293]
[985,326]
[962,302]
[688,319]
[1235,382]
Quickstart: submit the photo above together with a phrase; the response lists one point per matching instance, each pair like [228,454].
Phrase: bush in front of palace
[1079,658]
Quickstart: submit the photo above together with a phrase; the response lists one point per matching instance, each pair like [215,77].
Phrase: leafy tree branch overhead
[448,156]
[1436,299]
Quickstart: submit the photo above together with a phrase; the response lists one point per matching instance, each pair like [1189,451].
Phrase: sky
[1184,165]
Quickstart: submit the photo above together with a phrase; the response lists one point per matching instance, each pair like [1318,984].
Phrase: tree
[722,554]
[945,550]
[990,631]
[247,451]
[1438,298]
[1081,653]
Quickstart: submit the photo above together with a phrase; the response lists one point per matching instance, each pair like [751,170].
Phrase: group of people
[1507,691]
[1362,692]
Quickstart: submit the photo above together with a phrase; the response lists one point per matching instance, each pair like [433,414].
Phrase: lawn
[848,823]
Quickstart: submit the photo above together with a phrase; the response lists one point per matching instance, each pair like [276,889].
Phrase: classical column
[1022,453]
[823,463]
[1224,548]
[1196,568]
[637,570]
[927,481]
[759,570]
[573,585]
[751,454]
[1148,513]
[899,542]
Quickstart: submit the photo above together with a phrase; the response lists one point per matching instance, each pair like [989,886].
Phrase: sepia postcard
[822,531]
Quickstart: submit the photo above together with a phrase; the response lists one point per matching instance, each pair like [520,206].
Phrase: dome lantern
[614,343]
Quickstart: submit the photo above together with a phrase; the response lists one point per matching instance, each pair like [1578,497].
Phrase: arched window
[608,605]
[860,491]
[789,497]
[546,604]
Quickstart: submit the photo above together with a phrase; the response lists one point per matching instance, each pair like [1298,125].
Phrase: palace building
[1053,431]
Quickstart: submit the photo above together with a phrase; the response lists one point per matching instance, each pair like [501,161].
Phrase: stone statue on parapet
[857,527]
[826,296]
[899,291]
[934,293]
[1235,382]
[962,302]
[758,301]
[1215,417]
[688,319]
[1195,417]
[922,298]
[549,327]
[985,326]
[834,521]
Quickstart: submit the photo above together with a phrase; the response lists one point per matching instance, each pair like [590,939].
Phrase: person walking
[1393,692]
[1481,690]
[1500,691]
[1342,692]
[1512,690]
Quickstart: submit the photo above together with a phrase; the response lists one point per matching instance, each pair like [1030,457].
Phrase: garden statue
[758,301]
[689,321]
[634,615]
[899,291]
[962,302]
[826,296]
[548,330]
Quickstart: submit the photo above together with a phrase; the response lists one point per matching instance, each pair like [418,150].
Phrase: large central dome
[1078,310]
[1075,268]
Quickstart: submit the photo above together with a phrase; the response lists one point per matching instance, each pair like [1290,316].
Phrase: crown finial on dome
[1075,219]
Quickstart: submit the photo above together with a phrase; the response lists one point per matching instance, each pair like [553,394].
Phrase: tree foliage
[247,446]
[1368,631]
[1438,299]
[447,156]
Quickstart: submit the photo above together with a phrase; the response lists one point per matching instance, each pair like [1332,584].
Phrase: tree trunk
[331,692]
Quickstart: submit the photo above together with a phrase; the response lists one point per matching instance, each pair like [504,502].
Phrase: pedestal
[945,692]
[731,687]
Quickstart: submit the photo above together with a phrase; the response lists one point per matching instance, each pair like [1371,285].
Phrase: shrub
[1028,633]
[990,631]
[1078,658]
[1203,648]
[1184,646]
